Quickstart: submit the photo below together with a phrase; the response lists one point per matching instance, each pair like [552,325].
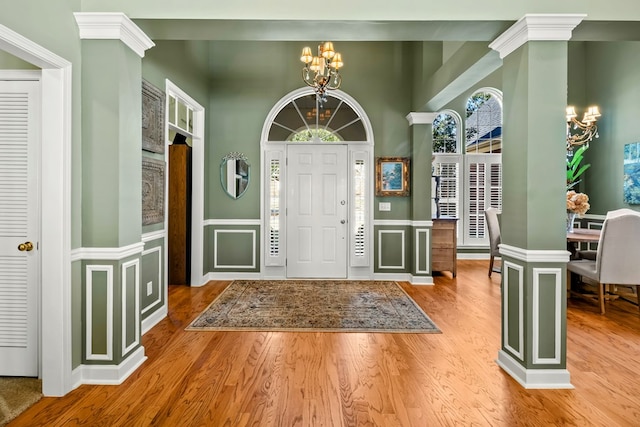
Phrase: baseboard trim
[534,378]
[109,374]
[472,255]
[398,277]
[155,318]
[236,275]
[422,280]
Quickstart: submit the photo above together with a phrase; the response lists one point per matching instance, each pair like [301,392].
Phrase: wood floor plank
[359,379]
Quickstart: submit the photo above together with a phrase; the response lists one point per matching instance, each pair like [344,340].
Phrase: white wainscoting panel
[90,355]
[216,248]
[135,265]
[537,272]
[506,266]
[381,234]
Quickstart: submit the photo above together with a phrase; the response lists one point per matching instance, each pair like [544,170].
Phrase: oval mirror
[235,174]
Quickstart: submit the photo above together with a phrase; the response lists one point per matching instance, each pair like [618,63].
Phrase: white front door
[317,211]
[19,213]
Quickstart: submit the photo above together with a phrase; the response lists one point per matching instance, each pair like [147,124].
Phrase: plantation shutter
[447,168]
[274,254]
[483,179]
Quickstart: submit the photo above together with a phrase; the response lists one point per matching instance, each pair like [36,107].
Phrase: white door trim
[267,148]
[197,188]
[56,201]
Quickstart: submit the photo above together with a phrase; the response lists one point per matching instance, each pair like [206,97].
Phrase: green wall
[10,62]
[184,63]
[111,132]
[249,78]
[53,26]
[611,76]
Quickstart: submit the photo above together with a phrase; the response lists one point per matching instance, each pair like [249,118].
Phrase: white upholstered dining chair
[617,258]
[493,228]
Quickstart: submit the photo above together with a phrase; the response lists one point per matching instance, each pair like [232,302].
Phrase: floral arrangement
[577,203]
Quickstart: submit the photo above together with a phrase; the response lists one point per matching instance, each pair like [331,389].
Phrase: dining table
[581,235]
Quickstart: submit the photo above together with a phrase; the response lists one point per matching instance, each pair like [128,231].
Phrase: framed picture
[392,176]
[152,118]
[631,183]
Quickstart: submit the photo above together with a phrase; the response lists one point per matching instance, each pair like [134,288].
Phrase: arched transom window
[305,120]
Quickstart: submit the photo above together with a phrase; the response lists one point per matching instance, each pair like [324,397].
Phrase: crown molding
[113,26]
[421,118]
[536,27]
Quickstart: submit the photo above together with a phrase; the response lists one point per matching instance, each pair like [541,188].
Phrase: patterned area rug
[16,395]
[314,305]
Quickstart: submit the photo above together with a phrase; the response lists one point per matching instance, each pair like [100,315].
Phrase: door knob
[26,246]
[343,221]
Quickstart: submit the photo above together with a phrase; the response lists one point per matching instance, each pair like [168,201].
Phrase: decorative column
[422,151]
[533,249]
[107,347]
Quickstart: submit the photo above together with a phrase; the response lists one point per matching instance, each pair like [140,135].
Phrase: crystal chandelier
[586,129]
[322,72]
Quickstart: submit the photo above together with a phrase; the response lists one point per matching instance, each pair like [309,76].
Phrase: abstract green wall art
[631,183]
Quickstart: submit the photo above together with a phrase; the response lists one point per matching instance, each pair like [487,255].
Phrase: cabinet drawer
[442,239]
[442,256]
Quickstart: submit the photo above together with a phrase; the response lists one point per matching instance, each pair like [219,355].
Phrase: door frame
[55,199]
[197,188]
[276,150]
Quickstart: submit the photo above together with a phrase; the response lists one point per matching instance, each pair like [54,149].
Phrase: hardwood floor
[360,379]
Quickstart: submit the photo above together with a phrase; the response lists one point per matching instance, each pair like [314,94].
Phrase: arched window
[469,171]
[482,163]
[446,163]
[445,133]
[484,122]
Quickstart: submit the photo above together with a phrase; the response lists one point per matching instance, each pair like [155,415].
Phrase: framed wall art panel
[152,118]
[153,176]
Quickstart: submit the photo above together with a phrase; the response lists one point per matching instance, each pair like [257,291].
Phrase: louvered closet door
[19,214]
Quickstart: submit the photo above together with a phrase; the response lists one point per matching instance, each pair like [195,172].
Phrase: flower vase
[571,216]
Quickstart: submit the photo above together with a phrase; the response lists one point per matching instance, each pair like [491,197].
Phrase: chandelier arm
[583,138]
[579,124]
[334,81]
[587,132]
[306,78]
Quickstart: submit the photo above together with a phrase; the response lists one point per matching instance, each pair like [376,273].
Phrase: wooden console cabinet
[444,245]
